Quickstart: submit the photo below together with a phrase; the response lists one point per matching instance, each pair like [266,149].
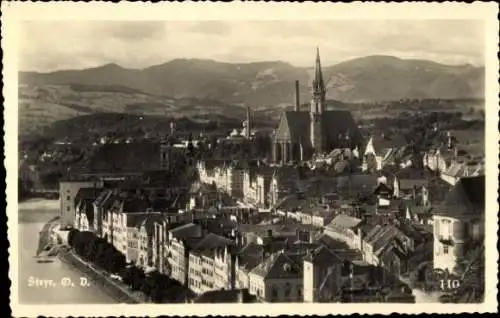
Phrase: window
[446,229]
[445,249]
[68,198]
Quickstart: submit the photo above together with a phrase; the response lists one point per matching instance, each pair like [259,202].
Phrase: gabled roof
[295,126]
[381,142]
[406,184]
[337,122]
[381,237]
[383,188]
[212,241]
[149,221]
[466,197]
[250,256]
[323,256]
[134,219]
[105,199]
[344,221]
[185,231]
[136,205]
[280,265]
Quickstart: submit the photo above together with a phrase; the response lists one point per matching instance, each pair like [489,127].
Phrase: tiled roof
[383,236]
[344,221]
[131,205]
[134,219]
[260,228]
[280,265]
[328,241]
[149,221]
[212,241]
[105,199]
[185,231]
[349,254]
[466,197]
[323,255]
[87,193]
[250,256]
[406,184]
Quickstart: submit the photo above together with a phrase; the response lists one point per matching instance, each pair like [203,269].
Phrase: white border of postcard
[14,12]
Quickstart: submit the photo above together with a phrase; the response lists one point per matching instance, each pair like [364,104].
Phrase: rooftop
[466,197]
[280,265]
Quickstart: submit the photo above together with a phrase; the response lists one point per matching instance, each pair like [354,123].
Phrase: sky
[58,45]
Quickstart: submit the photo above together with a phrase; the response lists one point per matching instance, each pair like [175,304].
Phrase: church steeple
[319,91]
[318,84]
[317,106]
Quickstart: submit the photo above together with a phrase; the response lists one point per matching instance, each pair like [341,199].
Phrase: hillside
[40,106]
[268,84]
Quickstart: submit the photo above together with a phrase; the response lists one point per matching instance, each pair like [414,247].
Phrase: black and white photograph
[302,161]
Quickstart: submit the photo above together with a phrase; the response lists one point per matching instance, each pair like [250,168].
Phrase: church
[301,134]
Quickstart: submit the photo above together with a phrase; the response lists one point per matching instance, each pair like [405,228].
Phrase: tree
[470,269]
[73,233]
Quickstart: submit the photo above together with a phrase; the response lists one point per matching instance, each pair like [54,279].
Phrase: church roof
[295,126]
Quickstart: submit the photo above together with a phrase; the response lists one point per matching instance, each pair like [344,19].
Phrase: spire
[318,89]
[318,84]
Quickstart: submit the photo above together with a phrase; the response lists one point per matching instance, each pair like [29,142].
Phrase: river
[32,216]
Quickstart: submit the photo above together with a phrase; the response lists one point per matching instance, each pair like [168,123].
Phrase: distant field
[40,106]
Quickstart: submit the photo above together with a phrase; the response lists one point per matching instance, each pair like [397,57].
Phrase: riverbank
[108,285]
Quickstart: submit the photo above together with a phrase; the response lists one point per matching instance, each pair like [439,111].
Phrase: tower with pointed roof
[317,106]
[301,133]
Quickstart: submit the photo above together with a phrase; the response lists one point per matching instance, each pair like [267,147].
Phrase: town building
[179,241]
[210,265]
[382,150]
[146,238]
[68,189]
[84,216]
[278,278]
[322,275]
[459,222]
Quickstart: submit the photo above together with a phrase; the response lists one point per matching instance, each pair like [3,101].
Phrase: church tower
[317,106]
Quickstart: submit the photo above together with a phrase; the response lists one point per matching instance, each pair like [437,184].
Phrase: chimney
[248,123]
[297,96]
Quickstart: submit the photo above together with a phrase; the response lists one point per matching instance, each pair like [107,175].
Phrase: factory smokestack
[297,96]
[248,123]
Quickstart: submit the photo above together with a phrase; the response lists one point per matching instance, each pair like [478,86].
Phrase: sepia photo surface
[251,158]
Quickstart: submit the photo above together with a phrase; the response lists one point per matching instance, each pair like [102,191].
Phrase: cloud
[48,46]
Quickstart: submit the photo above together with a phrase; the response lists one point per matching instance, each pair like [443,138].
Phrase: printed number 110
[449,284]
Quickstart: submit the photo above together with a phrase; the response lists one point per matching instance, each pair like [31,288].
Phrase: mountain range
[271,84]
